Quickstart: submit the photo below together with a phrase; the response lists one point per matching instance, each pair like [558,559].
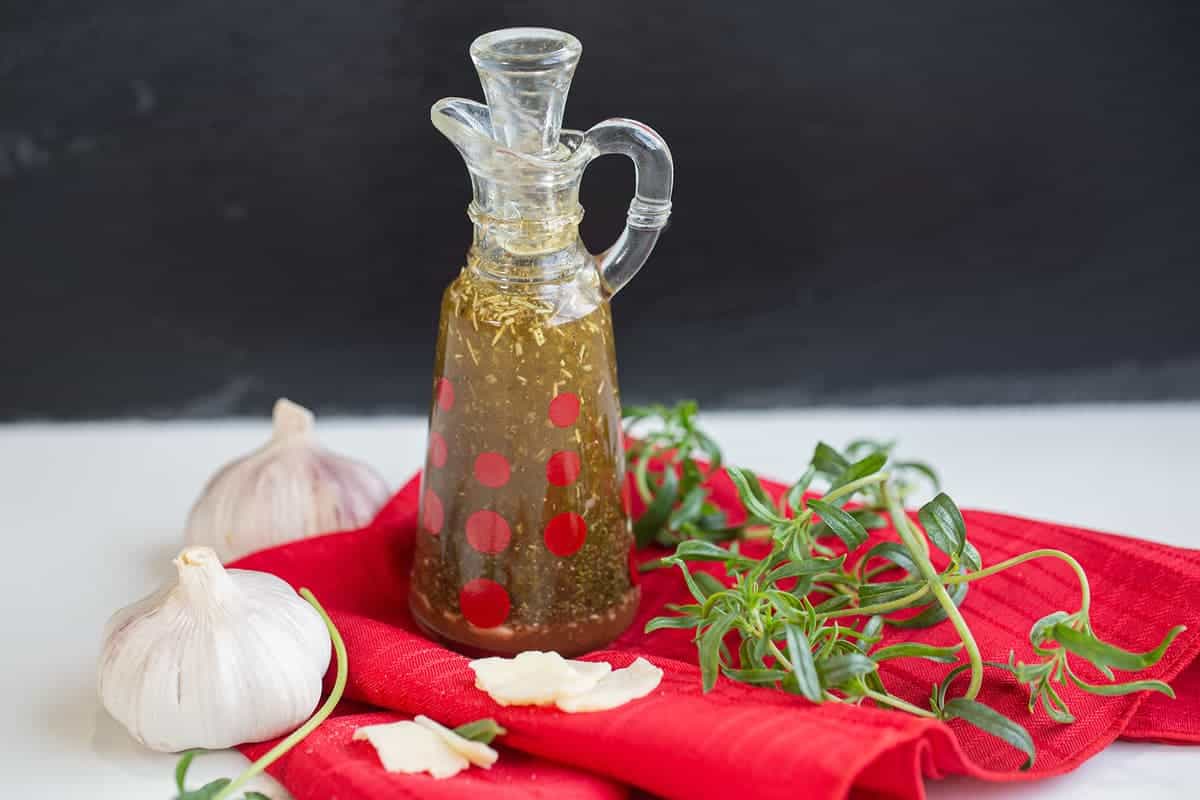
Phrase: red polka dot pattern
[445,394]
[437,449]
[492,470]
[564,409]
[484,603]
[433,516]
[565,534]
[488,532]
[563,468]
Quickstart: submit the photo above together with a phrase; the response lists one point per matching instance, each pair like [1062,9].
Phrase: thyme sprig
[811,624]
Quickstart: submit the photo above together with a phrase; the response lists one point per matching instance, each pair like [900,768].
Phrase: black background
[204,205]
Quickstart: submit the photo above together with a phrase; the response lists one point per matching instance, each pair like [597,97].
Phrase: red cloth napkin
[738,741]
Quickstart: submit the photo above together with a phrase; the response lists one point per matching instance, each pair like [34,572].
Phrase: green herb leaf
[1044,627]
[944,523]
[928,472]
[869,519]
[991,721]
[889,591]
[1103,654]
[934,614]
[659,510]
[835,603]
[206,792]
[795,493]
[872,632]
[710,649]
[659,623]
[807,680]
[837,671]
[896,553]
[1055,707]
[182,767]
[752,495]
[859,469]
[807,566]
[756,676]
[844,526]
[946,655]
[689,509]
[1115,689]
[708,584]
[700,550]
[481,730]
[829,461]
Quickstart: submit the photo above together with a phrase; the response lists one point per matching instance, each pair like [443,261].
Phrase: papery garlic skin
[214,659]
[288,489]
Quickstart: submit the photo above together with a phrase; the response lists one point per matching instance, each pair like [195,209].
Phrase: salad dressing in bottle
[524,537]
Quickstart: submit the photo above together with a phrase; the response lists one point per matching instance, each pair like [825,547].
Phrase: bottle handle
[651,204]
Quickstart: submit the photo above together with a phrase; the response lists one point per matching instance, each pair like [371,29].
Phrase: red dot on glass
[484,603]
[434,515]
[564,409]
[565,534]
[563,468]
[437,449]
[488,532]
[445,394]
[492,470]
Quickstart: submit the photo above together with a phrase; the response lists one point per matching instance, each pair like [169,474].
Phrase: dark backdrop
[207,204]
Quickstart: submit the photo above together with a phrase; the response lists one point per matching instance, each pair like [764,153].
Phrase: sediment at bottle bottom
[566,638]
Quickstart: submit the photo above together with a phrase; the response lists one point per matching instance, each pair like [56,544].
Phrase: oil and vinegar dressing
[523,540]
[524,537]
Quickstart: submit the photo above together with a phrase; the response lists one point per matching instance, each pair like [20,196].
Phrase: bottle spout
[526,74]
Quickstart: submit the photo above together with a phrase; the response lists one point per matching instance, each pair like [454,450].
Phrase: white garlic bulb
[214,659]
[288,489]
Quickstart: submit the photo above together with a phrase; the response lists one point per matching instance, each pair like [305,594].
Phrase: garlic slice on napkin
[535,678]
[411,748]
[288,489]
[477,753]
[615,689]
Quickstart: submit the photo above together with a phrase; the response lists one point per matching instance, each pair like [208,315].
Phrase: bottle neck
[527,250]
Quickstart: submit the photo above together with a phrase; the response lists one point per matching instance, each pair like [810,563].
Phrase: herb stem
[779,656]
[1085,591]
[878,608]
[896,702]
[854,486]
[339,686]
[640,478]
[919,550]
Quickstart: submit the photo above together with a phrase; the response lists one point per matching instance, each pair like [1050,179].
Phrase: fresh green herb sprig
[810,624]
[677,505]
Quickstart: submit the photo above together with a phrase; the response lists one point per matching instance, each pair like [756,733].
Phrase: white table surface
[92,514]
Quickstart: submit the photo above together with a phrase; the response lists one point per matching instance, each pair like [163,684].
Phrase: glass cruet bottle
[523,539]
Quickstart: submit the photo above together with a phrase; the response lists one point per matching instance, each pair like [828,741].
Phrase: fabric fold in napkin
[738,740]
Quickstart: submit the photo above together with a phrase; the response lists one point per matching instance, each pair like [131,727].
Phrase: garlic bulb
[288,489]
[214,659]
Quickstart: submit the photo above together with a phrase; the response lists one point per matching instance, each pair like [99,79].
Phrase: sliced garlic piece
[534,678]
[591,669]
[411,748]
[615,689]
[477,753]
